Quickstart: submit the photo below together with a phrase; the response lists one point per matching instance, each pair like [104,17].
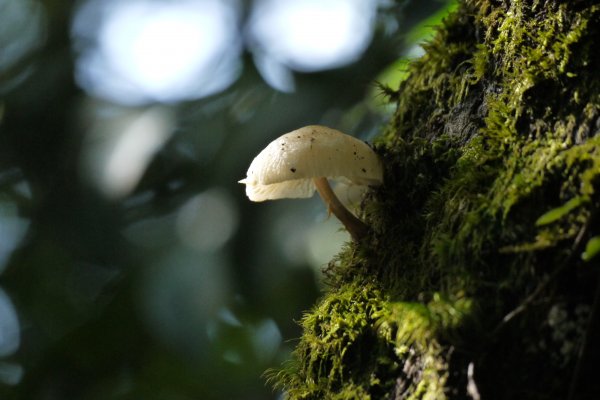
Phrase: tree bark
[479,277]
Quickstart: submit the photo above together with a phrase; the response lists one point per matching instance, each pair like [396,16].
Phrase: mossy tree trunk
[479,278]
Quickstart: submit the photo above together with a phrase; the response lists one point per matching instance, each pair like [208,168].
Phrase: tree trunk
[480,276]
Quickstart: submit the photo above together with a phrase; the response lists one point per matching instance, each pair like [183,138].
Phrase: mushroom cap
[287,166]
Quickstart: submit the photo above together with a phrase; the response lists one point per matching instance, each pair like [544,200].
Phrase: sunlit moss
[357,342]
[496,126]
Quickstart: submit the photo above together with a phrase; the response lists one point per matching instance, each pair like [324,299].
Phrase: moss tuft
[358,343]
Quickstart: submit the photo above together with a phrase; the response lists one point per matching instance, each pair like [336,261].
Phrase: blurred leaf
[591,248]
[559,212]
[427,28]
[395,73]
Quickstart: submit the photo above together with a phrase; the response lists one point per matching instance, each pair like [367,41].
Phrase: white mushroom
[300,162]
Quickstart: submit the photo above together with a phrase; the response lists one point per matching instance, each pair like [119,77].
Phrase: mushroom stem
[355,227]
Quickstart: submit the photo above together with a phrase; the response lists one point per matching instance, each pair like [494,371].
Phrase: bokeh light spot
[312,35]
[180,294]
[22,31]
[266,339]
[12,230]
[119,147]
[324,241]
[157,51]
[207,220]
[9,326]
[11,373]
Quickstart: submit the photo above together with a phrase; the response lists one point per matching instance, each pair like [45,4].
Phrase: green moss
[359,343]
[496,126]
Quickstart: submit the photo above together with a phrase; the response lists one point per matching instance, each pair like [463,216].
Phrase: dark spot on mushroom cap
[293,169]
[298,137]
[363,170]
